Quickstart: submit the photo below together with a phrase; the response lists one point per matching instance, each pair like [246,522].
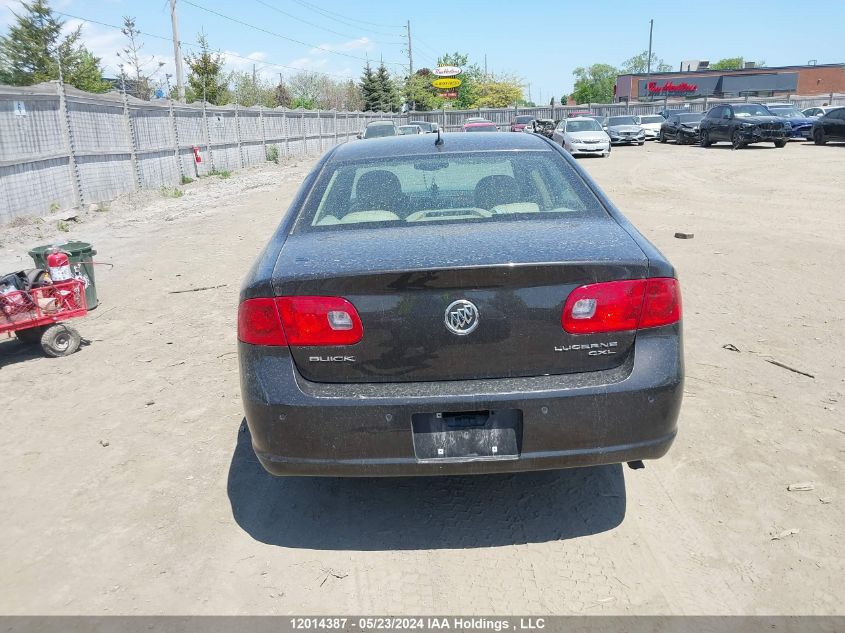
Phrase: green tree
[247,90]
[132,56]
[389,99]
[639,64]
[419,92]
[206,79]
[728,63]
[595,83]
[34,49]
[370,89]
[497,94]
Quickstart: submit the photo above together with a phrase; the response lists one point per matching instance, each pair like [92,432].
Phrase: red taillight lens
[259,323]
[662,303]
[615,306]
[309,321]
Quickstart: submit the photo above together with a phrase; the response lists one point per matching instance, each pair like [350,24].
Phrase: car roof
[478,123]
[380,123]
[423,145]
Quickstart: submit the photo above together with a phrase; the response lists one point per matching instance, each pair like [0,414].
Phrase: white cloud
[308,63]
[359,44]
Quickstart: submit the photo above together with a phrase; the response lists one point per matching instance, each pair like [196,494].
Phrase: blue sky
[540,41]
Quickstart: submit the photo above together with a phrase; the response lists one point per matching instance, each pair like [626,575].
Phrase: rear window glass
[524,119]
[481,128]
[461,187]
[380,129]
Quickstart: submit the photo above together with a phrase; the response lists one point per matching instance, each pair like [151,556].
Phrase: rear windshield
[621,120]
[587,125]
[524,119]
[382,129]
[461,187]
[481,128]
[424,125]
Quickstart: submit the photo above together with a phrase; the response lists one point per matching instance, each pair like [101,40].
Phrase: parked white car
[817,111]
[651,125]
[582,136]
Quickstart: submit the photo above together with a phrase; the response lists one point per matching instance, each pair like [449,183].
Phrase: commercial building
[752,81]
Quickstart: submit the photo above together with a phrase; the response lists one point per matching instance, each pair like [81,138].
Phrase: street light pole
[650,30]
[177,54]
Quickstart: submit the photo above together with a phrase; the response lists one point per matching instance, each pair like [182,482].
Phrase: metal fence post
[238,136]
[73,168]
[207,135]
[304,135]
[320,128]
[286,132]
[176,153]
[130,134]
[263,132]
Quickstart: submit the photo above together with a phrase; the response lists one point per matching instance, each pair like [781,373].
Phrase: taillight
[310,321]
[259,322]
[622,305]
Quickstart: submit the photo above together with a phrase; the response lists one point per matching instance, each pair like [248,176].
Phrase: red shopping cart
[38,315]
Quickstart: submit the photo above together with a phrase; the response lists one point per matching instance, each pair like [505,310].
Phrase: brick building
[820,79]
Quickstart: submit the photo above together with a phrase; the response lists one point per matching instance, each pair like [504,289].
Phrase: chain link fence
[62,148]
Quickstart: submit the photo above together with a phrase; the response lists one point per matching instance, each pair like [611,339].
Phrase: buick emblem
[461,317]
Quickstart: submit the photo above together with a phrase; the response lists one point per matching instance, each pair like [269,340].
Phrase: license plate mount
[467,435]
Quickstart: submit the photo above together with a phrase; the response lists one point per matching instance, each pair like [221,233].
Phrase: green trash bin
[81,255]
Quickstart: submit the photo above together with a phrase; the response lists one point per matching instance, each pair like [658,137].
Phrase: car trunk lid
[406,284]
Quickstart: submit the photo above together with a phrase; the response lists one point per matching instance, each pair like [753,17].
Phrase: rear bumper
[303,428]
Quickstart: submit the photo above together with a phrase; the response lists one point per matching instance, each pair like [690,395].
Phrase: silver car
[625,130]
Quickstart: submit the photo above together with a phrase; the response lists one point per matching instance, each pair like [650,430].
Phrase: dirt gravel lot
[128,485]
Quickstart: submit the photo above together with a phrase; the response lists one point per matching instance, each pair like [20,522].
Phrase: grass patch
[186,180]
[225,174]
[273,154]
[63,226]
[54,206]
[171,192]
[103,207]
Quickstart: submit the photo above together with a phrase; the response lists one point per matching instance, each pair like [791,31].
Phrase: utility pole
[410,50]
[650,30]
[485,65]
[177,53]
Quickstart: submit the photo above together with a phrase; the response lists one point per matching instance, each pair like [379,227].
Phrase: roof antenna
[439,140]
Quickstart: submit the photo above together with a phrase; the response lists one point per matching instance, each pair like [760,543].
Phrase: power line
[314,7]
[196,45]
[327,14]
[274,34]
[324,28]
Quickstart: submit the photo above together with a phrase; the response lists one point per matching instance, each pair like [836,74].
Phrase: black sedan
[682,127]
[471,303]
[741,125]
[830,127]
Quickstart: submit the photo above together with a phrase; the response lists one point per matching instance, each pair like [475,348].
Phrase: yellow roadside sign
[446,82]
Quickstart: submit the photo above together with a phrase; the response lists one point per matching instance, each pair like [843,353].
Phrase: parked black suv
[741,124]
[830,127]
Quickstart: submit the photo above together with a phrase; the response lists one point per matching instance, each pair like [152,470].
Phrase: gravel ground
[128,485]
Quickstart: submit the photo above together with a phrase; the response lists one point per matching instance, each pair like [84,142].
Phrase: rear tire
[705,139]
[818,137]
[60,340]
[780,143]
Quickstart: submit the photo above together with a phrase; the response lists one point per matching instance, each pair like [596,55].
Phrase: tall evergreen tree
[206,79]
[388,96]
[370,90]
[33,49]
